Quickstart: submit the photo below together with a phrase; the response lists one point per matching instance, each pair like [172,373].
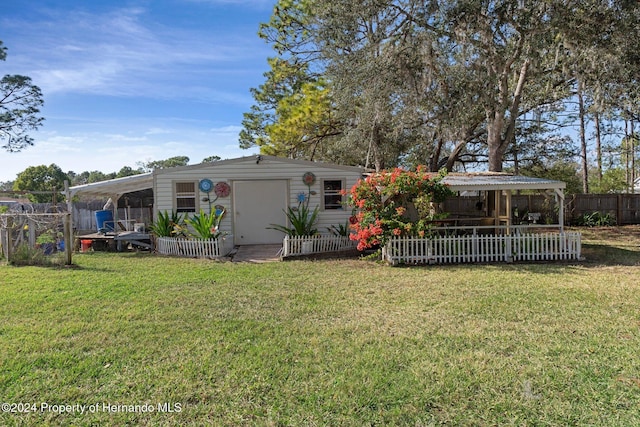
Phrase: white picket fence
[192,248]
[483,248]
[307,245]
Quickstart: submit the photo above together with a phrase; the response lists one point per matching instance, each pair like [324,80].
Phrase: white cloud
[163,90]
[109,152]
[246,3]
[118,53]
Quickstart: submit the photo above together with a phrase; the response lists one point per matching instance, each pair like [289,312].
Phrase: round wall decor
[205,185]
[309,178]
[222,189]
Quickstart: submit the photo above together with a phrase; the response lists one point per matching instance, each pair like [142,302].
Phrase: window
[331,194]
[185,196]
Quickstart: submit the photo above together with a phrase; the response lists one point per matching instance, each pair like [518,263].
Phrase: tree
[613,181]
[171,162]
[211,159]
[6,186]
[45,182]
[558,170]
[599,41]
[293,113]
[629,149]
[403,73]
[128,171]
[20,102]
[448,82]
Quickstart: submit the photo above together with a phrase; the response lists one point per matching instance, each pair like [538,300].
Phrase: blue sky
[133,81]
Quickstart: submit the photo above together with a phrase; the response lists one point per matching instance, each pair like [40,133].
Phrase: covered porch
[484,225]
[491,196]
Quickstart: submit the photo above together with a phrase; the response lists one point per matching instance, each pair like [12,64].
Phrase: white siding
[247,169]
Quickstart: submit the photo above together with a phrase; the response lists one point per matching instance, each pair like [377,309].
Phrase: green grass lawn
[326,342]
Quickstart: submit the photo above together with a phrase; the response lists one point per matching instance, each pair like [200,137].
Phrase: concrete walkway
[257,253]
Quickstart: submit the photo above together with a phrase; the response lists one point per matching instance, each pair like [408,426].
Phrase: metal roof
[482,181]
[114,187]
[479,181]
[261,158]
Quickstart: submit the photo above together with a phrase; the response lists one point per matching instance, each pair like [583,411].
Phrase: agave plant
[302,221]
[340,230]
[168,225]
[206,226]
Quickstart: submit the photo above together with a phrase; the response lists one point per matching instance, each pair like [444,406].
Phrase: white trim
[343,183]
[196,195]
[114,187]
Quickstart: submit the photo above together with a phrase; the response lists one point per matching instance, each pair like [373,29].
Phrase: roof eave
[114,187]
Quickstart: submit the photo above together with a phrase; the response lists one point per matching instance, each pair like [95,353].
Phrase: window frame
[184,196]
[329,193]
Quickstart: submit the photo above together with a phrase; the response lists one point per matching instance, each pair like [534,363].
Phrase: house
[255,192]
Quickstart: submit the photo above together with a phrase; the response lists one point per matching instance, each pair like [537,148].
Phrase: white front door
[257,205]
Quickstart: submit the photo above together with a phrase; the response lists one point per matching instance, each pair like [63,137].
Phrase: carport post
[560,195]
[68,227]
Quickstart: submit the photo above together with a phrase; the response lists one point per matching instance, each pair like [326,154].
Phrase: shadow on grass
[73,266]
[603,254]
[594,256]
[58,264]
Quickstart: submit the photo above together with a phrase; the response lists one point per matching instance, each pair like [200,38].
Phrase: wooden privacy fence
[483,248]
[192,248]
[307,245]
[624,208]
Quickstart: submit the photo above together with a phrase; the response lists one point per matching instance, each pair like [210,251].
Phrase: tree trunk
[583,141]
[495,124]
[598,146]
[633,157]
[500,129]
[625,151]
[378,161]
[453,157]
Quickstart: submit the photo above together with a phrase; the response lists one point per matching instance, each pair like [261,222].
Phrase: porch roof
[487,181]
[114,187]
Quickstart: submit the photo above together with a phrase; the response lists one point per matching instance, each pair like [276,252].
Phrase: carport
[114,189]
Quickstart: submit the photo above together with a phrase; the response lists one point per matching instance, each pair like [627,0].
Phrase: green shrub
[168,225]
[302,221]
[342,230]
[596,219]
[26,255]
[206,226]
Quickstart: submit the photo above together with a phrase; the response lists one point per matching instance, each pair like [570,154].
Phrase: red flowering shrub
[386,205]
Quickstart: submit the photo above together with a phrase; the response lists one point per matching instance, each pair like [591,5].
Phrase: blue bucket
[104,220]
